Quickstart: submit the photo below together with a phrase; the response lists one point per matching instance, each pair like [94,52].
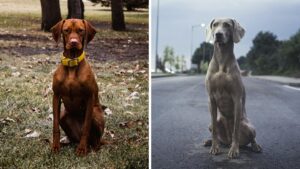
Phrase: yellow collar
[72,62]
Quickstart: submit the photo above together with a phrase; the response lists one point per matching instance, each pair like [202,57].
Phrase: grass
[26,95]
[25,98]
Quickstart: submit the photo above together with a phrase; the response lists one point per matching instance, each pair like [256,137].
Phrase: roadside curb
[163,75]
[284,81]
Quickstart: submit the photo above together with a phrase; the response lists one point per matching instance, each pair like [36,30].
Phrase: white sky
[281,17]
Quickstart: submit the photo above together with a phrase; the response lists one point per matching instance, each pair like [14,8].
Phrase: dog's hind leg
[97,128]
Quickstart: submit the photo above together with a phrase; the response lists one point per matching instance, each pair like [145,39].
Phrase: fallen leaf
[27,131]
[137,67]
[7,120]
[130,71]
[111,133]
[16,74]
[108,112]
[34,134]
[50,117]
[133,95]
[128,112]
[65,140]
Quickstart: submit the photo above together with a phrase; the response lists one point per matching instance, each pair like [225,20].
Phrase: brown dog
[74,84]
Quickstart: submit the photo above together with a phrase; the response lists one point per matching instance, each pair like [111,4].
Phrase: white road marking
[290,87]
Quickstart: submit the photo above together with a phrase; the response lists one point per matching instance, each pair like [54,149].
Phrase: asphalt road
[180,120]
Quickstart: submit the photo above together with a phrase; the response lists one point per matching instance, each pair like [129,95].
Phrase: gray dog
[226,91]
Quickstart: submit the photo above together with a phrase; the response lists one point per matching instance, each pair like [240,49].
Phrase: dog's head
[76,33]
[222,31]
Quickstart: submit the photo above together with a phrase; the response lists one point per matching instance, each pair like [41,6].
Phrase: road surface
[180,120]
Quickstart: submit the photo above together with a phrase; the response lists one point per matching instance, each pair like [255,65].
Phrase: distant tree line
[202,56]
[171,63]
[268,55]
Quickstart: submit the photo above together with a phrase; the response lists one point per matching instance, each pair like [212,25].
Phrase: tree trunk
[75,9]
[117,15]
[50,14]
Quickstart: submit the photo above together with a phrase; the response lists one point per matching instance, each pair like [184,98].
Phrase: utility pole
[157,31]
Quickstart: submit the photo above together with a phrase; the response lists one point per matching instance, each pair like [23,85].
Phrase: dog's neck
[72,53]
[223,55]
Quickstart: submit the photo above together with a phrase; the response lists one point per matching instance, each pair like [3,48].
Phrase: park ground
[27,60]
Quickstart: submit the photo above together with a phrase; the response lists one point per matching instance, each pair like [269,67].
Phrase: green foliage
[180,63]
[289,55]
[261,57]
[271,56]
[242,61]
[202,54]
[168,57]
[204,67]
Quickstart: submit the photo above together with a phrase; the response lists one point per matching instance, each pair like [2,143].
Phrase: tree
[202,54]
[50,14]
[117,15]
[289,56]
[75,9]
[177,63]
[262,58]
[168,57]
[242,61]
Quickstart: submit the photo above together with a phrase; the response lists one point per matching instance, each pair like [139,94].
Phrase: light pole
[157,31]
[192,30]
[203,26]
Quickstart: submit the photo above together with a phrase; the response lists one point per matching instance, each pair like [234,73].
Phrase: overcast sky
[282,17]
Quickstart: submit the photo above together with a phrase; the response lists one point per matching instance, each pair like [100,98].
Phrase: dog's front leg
[82,147]
[213,111]
[56,116]
[234,149]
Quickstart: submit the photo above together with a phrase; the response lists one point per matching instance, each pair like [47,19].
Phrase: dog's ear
[90,32]
[209,33]
[238,31]
[56,30]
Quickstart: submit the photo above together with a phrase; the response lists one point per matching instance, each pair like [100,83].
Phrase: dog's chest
[221,89]
[221,81]
[72,86]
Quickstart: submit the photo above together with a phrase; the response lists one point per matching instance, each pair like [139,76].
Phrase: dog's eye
[226,25]
[215,24]
[80,30]
[66,31]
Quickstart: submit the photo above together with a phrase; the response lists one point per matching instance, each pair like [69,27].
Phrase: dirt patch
[27,43]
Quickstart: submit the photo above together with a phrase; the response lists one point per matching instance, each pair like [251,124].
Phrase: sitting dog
[226,91]
[75,86]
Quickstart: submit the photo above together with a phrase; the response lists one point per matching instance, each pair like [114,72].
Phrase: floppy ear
[90,32]
[56,30]
[209,33]
[238,31]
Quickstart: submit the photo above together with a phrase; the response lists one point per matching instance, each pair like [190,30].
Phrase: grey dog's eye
[226,25]
[215,24]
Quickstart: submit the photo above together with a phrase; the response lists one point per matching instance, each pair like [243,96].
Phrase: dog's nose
[218,35]
[74,42]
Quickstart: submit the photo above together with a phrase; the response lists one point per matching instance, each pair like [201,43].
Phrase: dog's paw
[81,150]
[55,148]
[214,150]
[207,143]
[233,152]
[256,148]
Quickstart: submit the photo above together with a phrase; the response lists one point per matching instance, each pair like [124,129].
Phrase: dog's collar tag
[72,62]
